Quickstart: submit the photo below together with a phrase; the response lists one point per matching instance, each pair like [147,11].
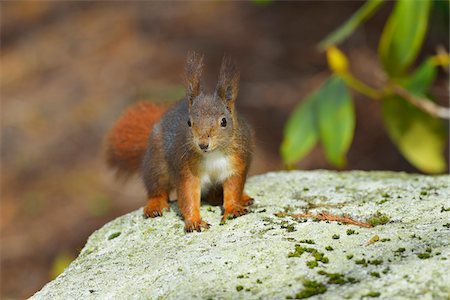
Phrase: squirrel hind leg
[156,205]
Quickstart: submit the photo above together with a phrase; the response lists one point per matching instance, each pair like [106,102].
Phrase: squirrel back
[126,143]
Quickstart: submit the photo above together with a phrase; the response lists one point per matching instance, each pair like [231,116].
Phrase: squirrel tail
[126,143]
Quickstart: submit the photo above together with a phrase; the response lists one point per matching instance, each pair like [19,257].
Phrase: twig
[422,103]
[324,216]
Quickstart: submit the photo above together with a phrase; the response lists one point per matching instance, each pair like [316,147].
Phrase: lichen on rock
[266,254]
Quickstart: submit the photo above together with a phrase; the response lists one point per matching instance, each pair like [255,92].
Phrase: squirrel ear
[194,68]
[228,85]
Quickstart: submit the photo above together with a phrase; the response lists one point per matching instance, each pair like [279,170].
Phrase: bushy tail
[126,143]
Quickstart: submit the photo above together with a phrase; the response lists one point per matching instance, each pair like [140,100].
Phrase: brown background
[69,69]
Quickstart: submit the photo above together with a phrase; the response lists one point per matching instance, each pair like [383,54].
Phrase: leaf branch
[338,63]
[422,103]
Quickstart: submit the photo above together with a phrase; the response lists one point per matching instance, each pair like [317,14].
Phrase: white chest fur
[214,169]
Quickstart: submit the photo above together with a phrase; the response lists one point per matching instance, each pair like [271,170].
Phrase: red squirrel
[199,148]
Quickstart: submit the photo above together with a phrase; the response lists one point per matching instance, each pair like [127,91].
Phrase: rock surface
[261,255]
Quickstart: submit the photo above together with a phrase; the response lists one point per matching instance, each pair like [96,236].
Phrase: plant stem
[422,103]
[361,87]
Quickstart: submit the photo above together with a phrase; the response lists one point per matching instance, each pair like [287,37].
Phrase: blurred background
[68,70]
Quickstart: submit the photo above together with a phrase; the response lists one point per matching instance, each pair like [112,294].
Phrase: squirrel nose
[203,146]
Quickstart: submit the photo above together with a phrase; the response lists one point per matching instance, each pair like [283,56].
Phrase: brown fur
[127,141]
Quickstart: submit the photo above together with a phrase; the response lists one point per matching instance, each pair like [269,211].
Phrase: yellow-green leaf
[337,61]
[340,34]
[419,137]
[300,132]
[60,263]
[403,35]
[336,120]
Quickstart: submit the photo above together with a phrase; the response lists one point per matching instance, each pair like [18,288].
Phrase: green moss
[400,250]
[372,294]
[320,256]
[258,281]
[350,256]
[333,278]
[335,236]
[312,264]
[307,241]
[239,288]
[378,219]
[352,280]
[375,262]
[299,250]
[311,288]
[443,209]
[329,248]
[423,255]
[375,274]
[428,250]
[288,227]
[350,231]
[113,235]
[362,262]
[382,201]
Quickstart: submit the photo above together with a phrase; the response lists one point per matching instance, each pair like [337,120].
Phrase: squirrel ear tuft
[228,85]
[194,68]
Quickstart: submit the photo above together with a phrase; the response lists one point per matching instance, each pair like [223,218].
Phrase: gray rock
[249,257]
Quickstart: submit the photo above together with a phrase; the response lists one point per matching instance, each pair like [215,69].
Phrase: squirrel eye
[223,122]
[189,123]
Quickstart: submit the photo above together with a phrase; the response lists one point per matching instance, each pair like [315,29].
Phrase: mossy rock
[248,257]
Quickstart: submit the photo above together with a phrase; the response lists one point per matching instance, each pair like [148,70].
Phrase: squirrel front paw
[155,209]
[190,225]
[233,212]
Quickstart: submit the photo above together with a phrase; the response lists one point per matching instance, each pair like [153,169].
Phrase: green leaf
[419,82]
[419,137]
[340,34]
[300,132]
[327,113]
[403,35]
[336,120]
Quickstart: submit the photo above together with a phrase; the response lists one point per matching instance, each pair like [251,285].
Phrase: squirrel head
[212,119]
